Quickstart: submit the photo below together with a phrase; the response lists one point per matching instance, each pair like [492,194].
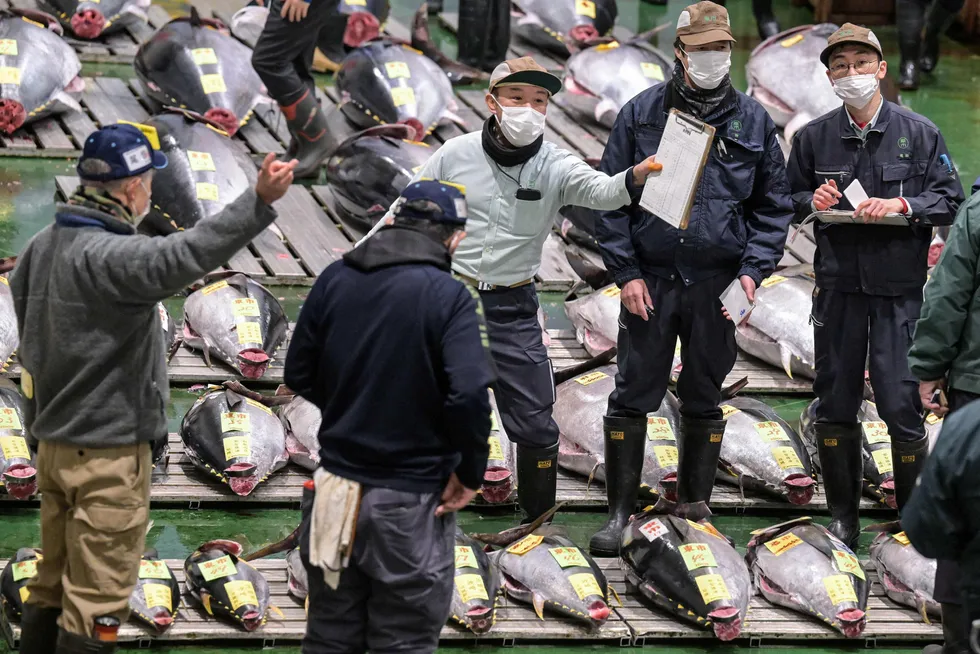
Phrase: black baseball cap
[432,200]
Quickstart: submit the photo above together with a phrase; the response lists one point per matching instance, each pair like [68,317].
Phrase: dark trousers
[525,388]
[646,349]
[284,52]
[850,329]
[484,32]
[396,593]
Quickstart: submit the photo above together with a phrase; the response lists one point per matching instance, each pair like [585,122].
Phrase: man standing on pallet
[672,279]
[887,160]
[515,182]
[95,377]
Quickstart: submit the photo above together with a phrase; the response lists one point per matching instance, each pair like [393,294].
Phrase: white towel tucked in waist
[332,524]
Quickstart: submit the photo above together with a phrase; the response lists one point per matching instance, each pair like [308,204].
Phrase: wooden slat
[126,105]
[52,137]
[600,133]
[312,235]
[326,197]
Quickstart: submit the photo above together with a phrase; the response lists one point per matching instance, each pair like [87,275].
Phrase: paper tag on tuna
[840,589]
[659,429]
[201,161]
[355,3]
[207,191]
[791,41]
[784,543]
[212,288]
[612,291]
[525,545]
[727,410]
[847,562]
[24,593]
[712,588]
[217,568]
[154,570]
[233,421]
[9,75]
[8,47]
[569,557]
[14,447]
[653,529]
[585,585]
[493,422]
[471,587]
[876,432]
[496,452]
[213,83]
[149,131]
[204,56]
[241,593]
[245,306]
[666,455]
[585,8]
[6,282]
[772,281]
[786,457]
[698,555]
[397,69]
[249,332]
[771,431]
[258,405]
[591,378]
[707,529]
[465,558]
[901,538]
[24,569]
[883,460]
[402,95]
[158,595]
[237,447]
[652,70]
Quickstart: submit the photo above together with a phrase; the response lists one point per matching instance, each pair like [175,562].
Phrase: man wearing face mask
[869,278]
[94,375]
[672,279]
[515,182]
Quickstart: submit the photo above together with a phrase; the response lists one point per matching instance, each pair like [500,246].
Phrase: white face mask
[708,69]
[521,125]
[857,90]
[137,219]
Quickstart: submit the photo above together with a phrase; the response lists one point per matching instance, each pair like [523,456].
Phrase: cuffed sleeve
[942,192]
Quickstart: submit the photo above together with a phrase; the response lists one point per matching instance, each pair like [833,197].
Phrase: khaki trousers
[94,513]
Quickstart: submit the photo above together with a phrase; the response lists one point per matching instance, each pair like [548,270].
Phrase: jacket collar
[395,245]
[880,124]
[73,215]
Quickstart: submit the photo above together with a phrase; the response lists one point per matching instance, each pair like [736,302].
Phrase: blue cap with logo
[124,148]
[436,201]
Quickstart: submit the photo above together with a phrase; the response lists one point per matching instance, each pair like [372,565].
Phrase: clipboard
[683,151]
[847,218]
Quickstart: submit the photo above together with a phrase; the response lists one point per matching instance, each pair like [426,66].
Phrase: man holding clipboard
[737,218]
[873,159]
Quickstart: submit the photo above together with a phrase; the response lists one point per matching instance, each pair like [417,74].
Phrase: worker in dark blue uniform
[672,279]
[394,352]
[869,278]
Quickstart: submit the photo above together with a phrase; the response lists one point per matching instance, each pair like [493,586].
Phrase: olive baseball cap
[525,71]
[853,34]
[704,22]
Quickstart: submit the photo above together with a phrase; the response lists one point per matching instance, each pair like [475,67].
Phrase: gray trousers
[395,595]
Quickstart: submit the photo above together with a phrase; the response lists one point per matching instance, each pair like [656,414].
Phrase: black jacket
[902,156]
[394,351]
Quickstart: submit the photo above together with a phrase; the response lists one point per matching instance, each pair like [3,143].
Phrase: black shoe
[841,449]
[908,459]
[537,479]
[625,439]
[38,629]
[910,18]
[698,450]
[308,127]
[938,20]
[69,643]
[908,76]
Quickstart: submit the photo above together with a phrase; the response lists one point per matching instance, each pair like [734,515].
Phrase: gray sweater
[90,335]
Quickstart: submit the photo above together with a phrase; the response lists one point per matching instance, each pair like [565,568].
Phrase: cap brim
[704,38]
[547,81]
[159,160]
[825,55]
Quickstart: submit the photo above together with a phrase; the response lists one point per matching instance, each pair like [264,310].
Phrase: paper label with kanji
[241,593]
[249,332]
[652,70]
[24,593]
[235,421]
[237,447]
[213,83]
[727,410]
[525,545]
[698,555]
[847,562]
[585,585]
[883,460]
[154,570]
[496,451]
[786,457]
[402,95]
[258,405]
[585,8]
[355,3]
[659,429]
[158,595]
[204,56]
[569,557]
[14,447]
[245,307]
[612,291]
[217,568]
[8,47]
[207,191]
[397,69]
[9,75]
[933,419]
[712,588]
[666,455]
[465,557]
[653,529]
[901,538]
[211,288]
[201,161]
[771,431]
[705,528]
[876,432]
[471,587]
[24,569]
[840,588]
[784,543]
[591,378]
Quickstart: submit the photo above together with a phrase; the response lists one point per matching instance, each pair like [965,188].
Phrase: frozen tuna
[18,474]
[90,19]
[156,598]
[907,577]
[226,586]
[563,26]
[477,584]
[500,477]
[13,581]
[301,422]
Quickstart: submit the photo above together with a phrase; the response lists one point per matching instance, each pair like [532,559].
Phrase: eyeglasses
[861,67]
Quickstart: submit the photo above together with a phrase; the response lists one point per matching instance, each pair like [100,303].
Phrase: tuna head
[907,577]
[477,585]
[18,474]
[227,586]
[156,597]
[14,579]
[301,420]
[500,477]
[91,19]
[364,19]
[596,319]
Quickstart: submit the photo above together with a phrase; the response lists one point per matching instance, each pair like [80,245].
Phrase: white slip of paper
[855,193]
[666,193]
[736,302]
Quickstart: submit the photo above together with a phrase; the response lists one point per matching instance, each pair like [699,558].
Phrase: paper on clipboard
[683,151]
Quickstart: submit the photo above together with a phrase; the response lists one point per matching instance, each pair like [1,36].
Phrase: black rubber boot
[434,7]
[474,32]
[537,479]
[841,449]
[698,449]
[39,629]
[499,40]
[910,16]
[764,20]
[625,439]
[938,20]
[69,643]
[908,459]
[308,127]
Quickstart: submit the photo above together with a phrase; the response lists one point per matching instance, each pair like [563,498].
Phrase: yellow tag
[698,555]
[569,557]
[883,460]
[771,431]
[24,593]
[9,419]
[237,447]
[465,558]
[591,378]
[493,422]
[203,56]
[34,22]
[786,542]
[355,3]
[207,191]
[876,432]
[932,419]
[154,570]
[658,429]
[840,589]
[14,447]
[9,75]
[402,95]
[8,47]
[24,569]
[847,562]
[213,83]
[901,538]
[232,421]
[258,405]
[786,457]
[396,69]
[158,595]
[6,282]
[772,281]
[201,161]
[217,568]
[666,455]
[707,529]
[241,593]
[712,588]
[496,452]
[585,585]
[249,332]
[217,286]
[585,8]
[652,70]
[791,41]
[245,306]
[149,131]
[27,384]
[525,545]
[459,187]
[727,410]
[612,291]
[471,588]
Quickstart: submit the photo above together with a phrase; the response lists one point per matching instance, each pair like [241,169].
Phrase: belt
[484,286]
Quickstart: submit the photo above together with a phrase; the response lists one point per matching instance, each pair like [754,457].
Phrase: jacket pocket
[526,217]
[541,375]
[108,543]
[902,179]
[730,173]
[842,174]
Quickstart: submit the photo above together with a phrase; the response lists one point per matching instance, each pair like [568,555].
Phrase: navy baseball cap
[436,201]
[125,149]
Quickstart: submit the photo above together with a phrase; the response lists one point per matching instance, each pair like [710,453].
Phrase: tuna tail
[513,535]
[734,389]
[421,40]
[891,527]
[592,274]
[275,400]
[584,367]
[288,543]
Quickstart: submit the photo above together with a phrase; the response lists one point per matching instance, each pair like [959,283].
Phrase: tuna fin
[612,591]
[922,610]
[591,274]
[207,354]
[584,367]
[288,543]
[767,533]
[195,17]
[284,391]
[786,359]
[732,391]
[275,609]
[149,526]
[537,601]
[514,534]
[422,41]
[644,37]
[173,348]
[891,527]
